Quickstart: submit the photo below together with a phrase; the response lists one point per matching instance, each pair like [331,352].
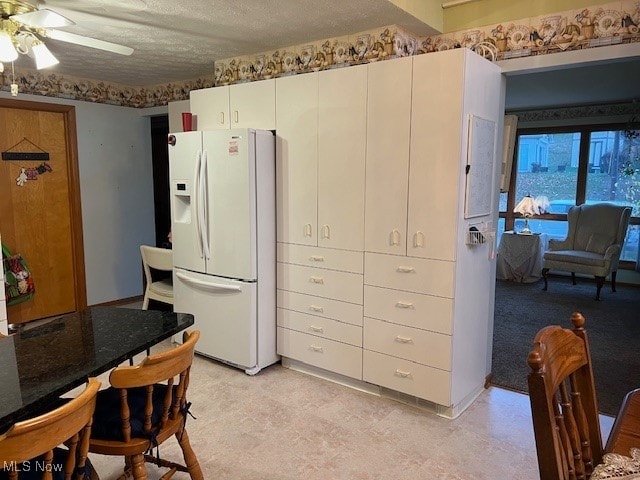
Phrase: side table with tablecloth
[520,257]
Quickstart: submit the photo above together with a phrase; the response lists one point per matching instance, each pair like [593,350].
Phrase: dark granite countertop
[39,364]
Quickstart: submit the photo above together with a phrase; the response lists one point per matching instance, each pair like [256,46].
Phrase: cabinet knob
[313,328]
[316,258]
[402,374]
[316,348]
[316,280]
[316,308]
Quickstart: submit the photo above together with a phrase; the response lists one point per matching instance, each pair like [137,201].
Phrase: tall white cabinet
[321,135]
[377,285]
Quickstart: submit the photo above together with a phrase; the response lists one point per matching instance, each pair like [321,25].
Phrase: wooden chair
[563,403]
[138,412]
[38,437]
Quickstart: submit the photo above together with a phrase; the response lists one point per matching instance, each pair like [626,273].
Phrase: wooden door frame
[73,175]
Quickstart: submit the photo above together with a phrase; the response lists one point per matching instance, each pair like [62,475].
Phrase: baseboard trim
[122,301]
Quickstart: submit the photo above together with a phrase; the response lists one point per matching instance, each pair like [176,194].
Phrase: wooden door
[297,159]
[342,128]
[40,219]
[387,172]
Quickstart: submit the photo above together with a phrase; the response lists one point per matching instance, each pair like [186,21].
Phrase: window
[572,166]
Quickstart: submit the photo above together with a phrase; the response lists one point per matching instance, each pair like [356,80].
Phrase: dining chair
[32,448]
[158,259]
[143,407]
[565,415]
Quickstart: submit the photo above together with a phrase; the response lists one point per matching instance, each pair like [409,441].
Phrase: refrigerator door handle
[202,211]
[214,287]
[198,227]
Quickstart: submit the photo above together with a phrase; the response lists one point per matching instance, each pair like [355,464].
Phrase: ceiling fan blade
[44,18]
[89,42]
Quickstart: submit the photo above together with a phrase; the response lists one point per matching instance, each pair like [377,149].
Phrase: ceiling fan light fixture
[8,52]
[43,56]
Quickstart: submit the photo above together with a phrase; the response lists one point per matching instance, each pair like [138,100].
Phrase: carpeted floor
[613,326]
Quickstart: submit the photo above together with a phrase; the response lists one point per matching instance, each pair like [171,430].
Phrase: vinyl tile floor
[285,425]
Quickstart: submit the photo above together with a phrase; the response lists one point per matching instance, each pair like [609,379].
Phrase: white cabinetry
[388,129]
[245,105]
[342,128]
[375,281]
[297,159]
[321,120]
[3,308]
[427,298]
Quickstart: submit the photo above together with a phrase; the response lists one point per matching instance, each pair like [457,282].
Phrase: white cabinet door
[253,105]
[210,107]
[342,127]
[436,129]
[297,159]
[387,163]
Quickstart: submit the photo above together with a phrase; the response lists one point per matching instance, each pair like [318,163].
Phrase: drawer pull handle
[221,118]
[405,269]
[402,374]
[313,328]
[325,232]
[401,339]
[316,348]
[404,305]
[316,258]
[316,308]
[316,280]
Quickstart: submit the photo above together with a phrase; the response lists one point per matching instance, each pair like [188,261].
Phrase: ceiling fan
[24,26]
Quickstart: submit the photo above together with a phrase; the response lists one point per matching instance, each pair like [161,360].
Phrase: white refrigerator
[224,242]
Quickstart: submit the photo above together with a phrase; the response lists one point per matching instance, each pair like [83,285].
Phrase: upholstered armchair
[593,244]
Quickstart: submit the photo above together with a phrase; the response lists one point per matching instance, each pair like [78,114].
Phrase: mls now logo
[31,466]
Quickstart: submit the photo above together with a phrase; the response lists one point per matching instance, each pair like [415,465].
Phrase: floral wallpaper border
[585,111]
[607,24]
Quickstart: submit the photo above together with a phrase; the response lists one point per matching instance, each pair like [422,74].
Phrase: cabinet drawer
[407,377]
[322,283]
[420,346]
[434,277]
[411,309]
[320,352]
[320,327]
[321,307]
[330,258]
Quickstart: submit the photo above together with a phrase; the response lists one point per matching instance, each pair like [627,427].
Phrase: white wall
[116,187]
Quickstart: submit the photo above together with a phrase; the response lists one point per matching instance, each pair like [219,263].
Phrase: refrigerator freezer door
[231,180]
[225,312]
[186,198]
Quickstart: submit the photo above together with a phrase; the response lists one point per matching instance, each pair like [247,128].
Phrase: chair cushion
[34,468]
[618,466]
[107,424]
[598,243]
[162,287]
[575,256]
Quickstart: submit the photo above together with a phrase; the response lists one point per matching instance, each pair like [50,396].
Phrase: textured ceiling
[180,39]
